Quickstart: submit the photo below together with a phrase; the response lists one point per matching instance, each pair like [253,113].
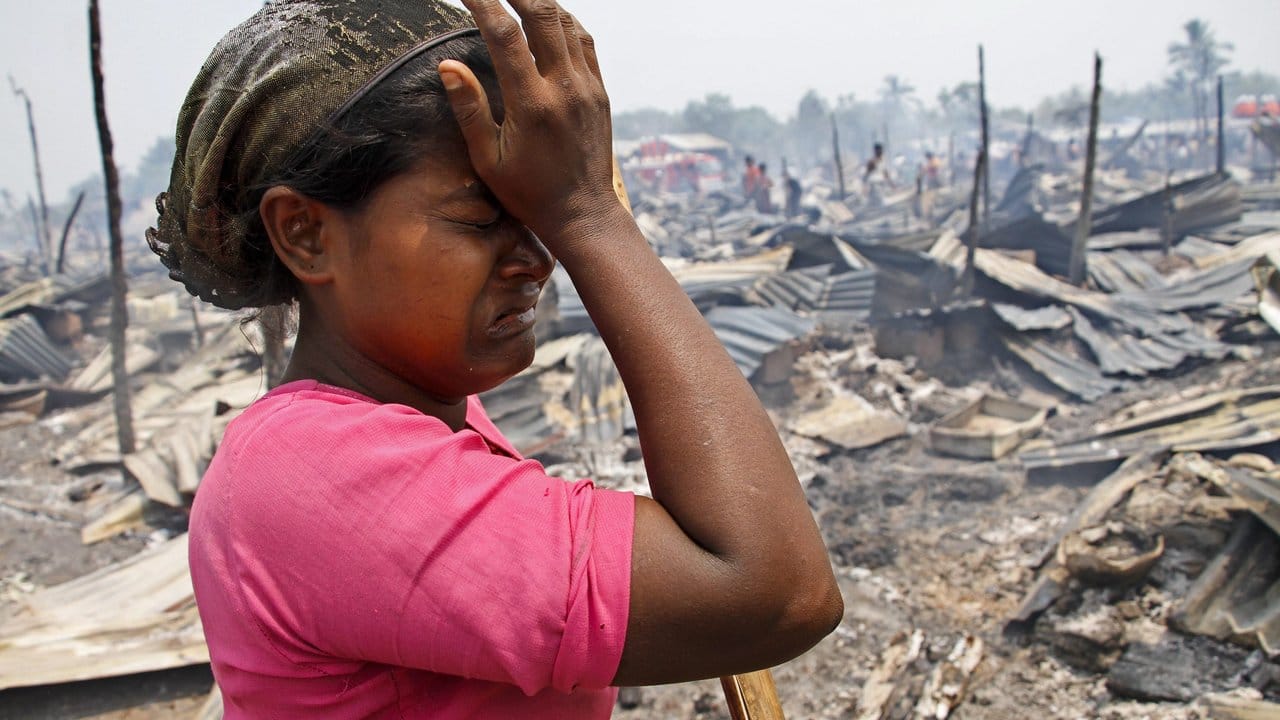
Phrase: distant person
[1073,150]
[931,171]
[764,191]
[750,179]
[794,191]
[876,176]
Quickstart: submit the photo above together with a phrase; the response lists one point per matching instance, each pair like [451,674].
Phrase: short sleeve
[372,532]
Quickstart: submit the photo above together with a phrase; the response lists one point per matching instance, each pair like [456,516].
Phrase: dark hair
[384,134]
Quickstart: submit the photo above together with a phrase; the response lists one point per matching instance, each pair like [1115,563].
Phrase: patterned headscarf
[267,87]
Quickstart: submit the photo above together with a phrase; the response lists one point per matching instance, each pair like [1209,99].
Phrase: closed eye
[488,224]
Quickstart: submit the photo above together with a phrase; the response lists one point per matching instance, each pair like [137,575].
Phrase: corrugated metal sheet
[50,291]
[1198,203]
[751,333]
[1119,353]
[1131,312]
[1075,375]
[1220,285]
[597,397]
[1123,271]
[706,283]
[1049,317]
[1238,593]
[1225,420]
[516,407]
[26,352]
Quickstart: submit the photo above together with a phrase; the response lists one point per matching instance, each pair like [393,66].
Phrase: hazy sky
[655,53]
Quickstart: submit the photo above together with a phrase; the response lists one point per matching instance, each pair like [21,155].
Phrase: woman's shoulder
[307,409]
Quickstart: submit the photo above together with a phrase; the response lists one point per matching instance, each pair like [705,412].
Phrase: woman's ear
[294,222]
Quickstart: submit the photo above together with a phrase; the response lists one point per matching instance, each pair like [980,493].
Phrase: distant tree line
[897,115]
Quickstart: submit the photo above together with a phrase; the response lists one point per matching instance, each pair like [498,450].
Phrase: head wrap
[267,87]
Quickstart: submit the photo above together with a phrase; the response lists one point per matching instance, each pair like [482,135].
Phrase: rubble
[1091,470]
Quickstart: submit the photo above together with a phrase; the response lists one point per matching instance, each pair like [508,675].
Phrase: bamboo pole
[119,311]
[751,696]
[1084,225]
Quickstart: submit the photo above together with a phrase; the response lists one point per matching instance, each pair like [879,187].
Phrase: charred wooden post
[119,312]
[986,137]
[1085,224]
[971,235]
[35,226]
[835,145]
[1222,135]
[1025,150]
[951,159]
[66,231]
[42,227]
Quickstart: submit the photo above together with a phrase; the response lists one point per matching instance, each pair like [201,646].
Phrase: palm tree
[1199,60]
[895,95]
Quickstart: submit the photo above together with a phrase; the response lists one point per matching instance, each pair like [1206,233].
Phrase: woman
[365,542]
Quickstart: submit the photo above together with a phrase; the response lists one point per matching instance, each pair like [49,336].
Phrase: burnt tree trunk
[42,227]
[119,312]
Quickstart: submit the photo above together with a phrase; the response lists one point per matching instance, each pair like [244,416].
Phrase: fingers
[545,32]
[507,46]
[569,30]
[587,46]
[470,106]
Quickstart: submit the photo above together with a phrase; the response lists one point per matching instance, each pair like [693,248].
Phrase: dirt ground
[920,542]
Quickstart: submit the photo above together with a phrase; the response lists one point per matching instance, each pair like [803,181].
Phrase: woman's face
[435,283]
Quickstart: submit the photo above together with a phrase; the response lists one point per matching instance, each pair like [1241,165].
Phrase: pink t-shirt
[359,560]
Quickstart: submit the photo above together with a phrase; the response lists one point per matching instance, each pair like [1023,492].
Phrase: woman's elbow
[812,611]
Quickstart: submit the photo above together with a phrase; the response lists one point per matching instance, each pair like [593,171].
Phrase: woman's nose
[528,257]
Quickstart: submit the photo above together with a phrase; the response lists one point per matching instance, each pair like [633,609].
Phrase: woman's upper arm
[694,615]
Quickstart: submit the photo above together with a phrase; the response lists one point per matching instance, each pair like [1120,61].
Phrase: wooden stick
[1079,249]
[752,696]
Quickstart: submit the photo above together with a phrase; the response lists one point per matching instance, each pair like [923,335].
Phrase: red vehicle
[1251,106]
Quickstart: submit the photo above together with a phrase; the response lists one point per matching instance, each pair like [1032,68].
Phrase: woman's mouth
[513,322]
